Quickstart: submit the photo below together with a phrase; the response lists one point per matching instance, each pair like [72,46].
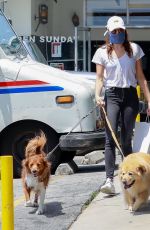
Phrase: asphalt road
[65,198]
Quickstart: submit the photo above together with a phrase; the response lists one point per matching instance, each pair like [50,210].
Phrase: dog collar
[126,186]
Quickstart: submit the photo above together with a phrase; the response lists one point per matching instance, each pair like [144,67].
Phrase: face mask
[117,38]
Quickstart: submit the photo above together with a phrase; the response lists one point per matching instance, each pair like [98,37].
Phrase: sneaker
[108,187]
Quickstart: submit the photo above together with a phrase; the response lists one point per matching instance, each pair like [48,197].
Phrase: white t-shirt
[119,72]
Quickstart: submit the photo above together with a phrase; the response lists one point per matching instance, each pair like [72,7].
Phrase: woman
[118,68]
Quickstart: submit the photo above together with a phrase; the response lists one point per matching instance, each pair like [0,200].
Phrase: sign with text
[56,49]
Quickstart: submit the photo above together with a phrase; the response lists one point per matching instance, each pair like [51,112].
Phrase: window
[139,12]
[98,11]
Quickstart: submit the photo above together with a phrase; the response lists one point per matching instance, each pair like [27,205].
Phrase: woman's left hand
[148,109]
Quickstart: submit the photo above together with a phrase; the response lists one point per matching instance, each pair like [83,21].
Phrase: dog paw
[28,204]
[39,211]
[131,209]
[35,204]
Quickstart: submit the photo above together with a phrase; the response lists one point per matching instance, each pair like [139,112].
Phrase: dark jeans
[122,105]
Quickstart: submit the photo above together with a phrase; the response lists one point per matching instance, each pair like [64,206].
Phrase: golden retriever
[35,172]
[134,174]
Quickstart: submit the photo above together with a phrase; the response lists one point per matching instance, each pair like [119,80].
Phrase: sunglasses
[117,31]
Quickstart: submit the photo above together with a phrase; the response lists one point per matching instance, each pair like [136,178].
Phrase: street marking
[18,201]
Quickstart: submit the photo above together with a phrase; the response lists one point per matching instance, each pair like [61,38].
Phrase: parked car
[35,97]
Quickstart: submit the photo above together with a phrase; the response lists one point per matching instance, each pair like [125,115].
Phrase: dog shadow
[145,209]
[51,209]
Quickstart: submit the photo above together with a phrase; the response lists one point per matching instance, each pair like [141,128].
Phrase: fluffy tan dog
[35,172]
[134,174]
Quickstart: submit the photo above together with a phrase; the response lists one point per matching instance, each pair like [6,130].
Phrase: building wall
[63,11]
[42,29]
[19,11]
[23,12]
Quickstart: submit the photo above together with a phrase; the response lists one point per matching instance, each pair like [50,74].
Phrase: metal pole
[7,193]
[84,50]
[89,50]
[76,49]
[84,36]
[127,6]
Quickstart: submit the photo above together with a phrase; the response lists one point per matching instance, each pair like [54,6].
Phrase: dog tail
[36,145]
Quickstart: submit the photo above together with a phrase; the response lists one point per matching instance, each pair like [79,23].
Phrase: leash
[91,111]
[112,132]
[50,153]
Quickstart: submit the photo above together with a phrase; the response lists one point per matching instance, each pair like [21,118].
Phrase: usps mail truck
[35,97]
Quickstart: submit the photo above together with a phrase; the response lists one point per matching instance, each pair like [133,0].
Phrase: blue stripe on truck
[30,89]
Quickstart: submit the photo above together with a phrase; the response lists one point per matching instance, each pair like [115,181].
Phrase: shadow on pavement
[51,209]
[110,196]
[143,210]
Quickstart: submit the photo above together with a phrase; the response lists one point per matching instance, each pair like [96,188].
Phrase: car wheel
[18,138]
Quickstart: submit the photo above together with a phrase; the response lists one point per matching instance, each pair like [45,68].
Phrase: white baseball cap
[115,22]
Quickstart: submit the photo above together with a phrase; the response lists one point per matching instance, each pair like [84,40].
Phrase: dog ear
[25,164]
[46,163]
[141,170]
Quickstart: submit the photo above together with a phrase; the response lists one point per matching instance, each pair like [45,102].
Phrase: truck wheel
[17,139]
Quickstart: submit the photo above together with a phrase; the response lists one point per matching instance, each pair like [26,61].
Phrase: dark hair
[126,44]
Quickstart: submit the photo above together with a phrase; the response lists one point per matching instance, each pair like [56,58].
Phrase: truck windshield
[10,45]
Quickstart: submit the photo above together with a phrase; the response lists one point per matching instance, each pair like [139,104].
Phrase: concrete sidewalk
[108,213]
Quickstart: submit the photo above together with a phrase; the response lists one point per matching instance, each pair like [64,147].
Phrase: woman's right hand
[100,101]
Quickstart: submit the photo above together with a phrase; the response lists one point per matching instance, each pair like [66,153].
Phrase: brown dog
[134,174]
[35,172]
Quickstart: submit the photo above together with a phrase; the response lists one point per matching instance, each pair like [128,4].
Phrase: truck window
[10,45]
